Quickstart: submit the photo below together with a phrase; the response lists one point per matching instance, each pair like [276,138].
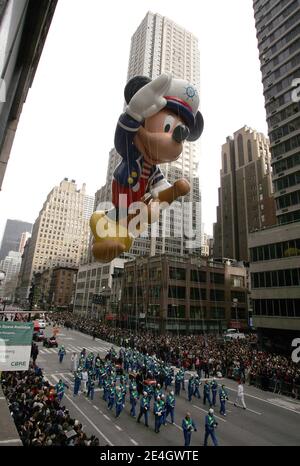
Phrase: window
[217,278]
[249,147]
[176,273]
[217,295]
[198,293]
[241,150]
[177,292]
[198,276]
[240,296]
[225,163]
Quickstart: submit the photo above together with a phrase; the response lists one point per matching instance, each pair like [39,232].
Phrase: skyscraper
[246,201]
[157,46]
[60,235]
[12,236]
[275,273]
[278,25]
[11,266]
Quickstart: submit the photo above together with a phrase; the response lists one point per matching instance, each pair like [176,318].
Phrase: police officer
[170,406]
[119,401]
[223,397]
[214,390]
[210,425]
[157,410]
[206,393]
[144,408]
[188,426]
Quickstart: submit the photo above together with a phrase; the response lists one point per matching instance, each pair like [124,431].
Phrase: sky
[68,121]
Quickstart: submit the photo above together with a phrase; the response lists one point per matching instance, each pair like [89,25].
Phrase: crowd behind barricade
[207,354]
[37,412]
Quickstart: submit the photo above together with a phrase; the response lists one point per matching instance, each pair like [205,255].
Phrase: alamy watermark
[296,91]
[177,220]
[296,352]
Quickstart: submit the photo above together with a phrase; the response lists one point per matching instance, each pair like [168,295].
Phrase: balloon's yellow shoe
[110,237]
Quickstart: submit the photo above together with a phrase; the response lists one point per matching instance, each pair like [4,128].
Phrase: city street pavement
[270,419]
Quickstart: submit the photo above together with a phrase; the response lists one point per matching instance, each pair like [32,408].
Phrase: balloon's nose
[180,133]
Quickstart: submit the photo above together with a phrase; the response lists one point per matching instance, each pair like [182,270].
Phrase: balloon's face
[155,140]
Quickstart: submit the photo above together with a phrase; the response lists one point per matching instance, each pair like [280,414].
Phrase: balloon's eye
[168,123]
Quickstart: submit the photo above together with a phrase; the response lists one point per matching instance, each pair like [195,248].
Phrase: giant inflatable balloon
[160,115]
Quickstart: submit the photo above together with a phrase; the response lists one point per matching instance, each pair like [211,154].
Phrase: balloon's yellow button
[130,180]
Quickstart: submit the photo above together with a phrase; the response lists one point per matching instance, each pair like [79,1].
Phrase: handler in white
[240,395]
[85,378]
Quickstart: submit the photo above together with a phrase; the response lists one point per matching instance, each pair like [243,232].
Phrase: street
[270,419]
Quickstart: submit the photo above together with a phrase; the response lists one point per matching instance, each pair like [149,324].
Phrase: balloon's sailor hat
[182,98]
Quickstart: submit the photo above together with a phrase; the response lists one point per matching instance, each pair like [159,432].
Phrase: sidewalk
[8,433]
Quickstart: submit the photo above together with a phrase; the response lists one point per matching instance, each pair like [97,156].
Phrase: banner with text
[15,345]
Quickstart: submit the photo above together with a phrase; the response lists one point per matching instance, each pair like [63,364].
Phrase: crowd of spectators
[37,413]
[237,358]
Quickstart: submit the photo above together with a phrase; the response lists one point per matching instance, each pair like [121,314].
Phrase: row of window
[285,83]
[271,68]
[285,40]
[287,181]
[196,276]
[275,251]
[276,278]
[279,19]
[288,200]
[272,12]
[284,114]
[290,144]
[279,32]
[285,130]
[286,164]
[276,307]
[284,55]
[289,217]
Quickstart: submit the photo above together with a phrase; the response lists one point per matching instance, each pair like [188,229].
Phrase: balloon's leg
[110,238]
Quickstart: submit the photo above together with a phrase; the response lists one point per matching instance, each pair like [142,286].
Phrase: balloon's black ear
[134,85]
[196,132]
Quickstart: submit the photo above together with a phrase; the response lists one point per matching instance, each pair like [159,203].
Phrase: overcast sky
[68,121]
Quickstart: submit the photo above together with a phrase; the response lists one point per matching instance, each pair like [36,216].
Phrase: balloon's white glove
[149,99]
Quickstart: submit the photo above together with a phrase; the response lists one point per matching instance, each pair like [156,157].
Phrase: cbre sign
[15,345]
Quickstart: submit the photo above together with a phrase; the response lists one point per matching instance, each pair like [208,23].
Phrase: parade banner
[15,345]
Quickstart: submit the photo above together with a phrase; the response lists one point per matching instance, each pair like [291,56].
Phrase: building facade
[24,25]
[246,201]
[60,235]
[93,288]
[185,295]
[13,235]
[11,266]
[62,287]
[275,252]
